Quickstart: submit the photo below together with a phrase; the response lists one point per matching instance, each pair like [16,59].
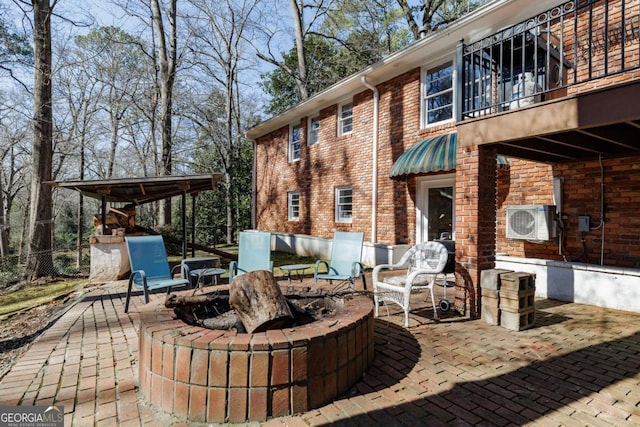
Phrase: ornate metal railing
[542,57]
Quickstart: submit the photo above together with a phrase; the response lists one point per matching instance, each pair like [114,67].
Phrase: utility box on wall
[531,222]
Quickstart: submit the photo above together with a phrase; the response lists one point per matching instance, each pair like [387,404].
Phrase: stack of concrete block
[517,300]
[490,287]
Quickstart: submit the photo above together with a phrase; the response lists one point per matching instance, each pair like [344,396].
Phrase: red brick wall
[602,53]
[531,183]
[346,160]
[399,125]
[399,130]
[215,376]
[476,194]
[482,192]
[524,182]
[333,162]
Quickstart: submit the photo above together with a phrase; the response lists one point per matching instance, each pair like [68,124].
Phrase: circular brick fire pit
[207,375]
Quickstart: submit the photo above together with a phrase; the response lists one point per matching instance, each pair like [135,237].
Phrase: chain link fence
[65,263]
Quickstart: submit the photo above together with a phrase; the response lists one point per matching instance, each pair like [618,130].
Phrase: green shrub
[65,264]
[9,271]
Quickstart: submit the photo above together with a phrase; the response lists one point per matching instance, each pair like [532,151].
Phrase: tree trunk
[113,146]
[230,160]
[168,60]
[228,207]
[298,23]
[39,260]
[408,15]
[80,238]
[8,191]
[80,215]
[428,8]
[24,229]
[259,302]
[4,221]
[81,198]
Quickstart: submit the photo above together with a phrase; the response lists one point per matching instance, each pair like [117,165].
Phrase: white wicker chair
[423,263]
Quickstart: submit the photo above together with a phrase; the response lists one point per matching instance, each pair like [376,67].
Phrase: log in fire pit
[293,360]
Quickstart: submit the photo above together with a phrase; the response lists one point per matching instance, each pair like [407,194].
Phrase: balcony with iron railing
[549,56]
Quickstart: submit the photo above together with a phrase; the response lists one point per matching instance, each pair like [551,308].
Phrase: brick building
[514,131]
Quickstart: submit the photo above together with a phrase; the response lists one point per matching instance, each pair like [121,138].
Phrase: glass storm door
[435,208]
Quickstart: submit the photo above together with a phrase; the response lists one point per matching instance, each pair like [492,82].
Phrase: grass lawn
[282,258]
[35,295]
[278,258]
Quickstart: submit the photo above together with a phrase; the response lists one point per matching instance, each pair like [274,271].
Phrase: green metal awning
[429,155]
[436,154]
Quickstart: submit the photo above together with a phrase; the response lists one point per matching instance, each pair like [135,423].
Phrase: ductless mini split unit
[531,222]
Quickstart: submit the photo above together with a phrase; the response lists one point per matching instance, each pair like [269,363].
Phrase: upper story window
[344,204]
[294,143]
[345,118]
[437,90]
[314,130]
[293,205]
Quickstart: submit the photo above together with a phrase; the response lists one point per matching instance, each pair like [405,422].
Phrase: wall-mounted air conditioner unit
[531,222]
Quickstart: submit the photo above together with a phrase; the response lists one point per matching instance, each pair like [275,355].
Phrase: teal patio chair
[254,253]
[150,267]
[345,265]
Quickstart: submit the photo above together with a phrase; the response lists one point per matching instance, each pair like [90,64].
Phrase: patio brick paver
[579,365]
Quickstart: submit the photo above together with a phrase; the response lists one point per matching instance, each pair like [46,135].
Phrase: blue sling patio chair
[254,253]
[150,267]
[345,265]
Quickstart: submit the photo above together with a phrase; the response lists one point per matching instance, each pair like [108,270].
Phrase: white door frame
[423,184]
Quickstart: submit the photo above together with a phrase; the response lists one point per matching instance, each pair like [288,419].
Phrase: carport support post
[193,224]
[184,223]
[476,178]
[103,190]
[103,213]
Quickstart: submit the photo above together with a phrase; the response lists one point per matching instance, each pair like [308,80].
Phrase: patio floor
[579,365]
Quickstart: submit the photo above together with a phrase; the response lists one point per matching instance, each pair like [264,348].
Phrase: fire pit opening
[222,375]
[213,310]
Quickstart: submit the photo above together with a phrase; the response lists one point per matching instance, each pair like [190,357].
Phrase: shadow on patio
[579,365]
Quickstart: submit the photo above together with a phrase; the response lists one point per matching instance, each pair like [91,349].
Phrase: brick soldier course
[578,365]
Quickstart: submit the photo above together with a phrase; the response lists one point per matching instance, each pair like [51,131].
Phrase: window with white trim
[314,130]
[344,204]
[294,143]
[293,205]
[437,94]
[345,118]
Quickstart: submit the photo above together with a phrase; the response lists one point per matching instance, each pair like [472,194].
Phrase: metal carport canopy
[144,190]
[141,190]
